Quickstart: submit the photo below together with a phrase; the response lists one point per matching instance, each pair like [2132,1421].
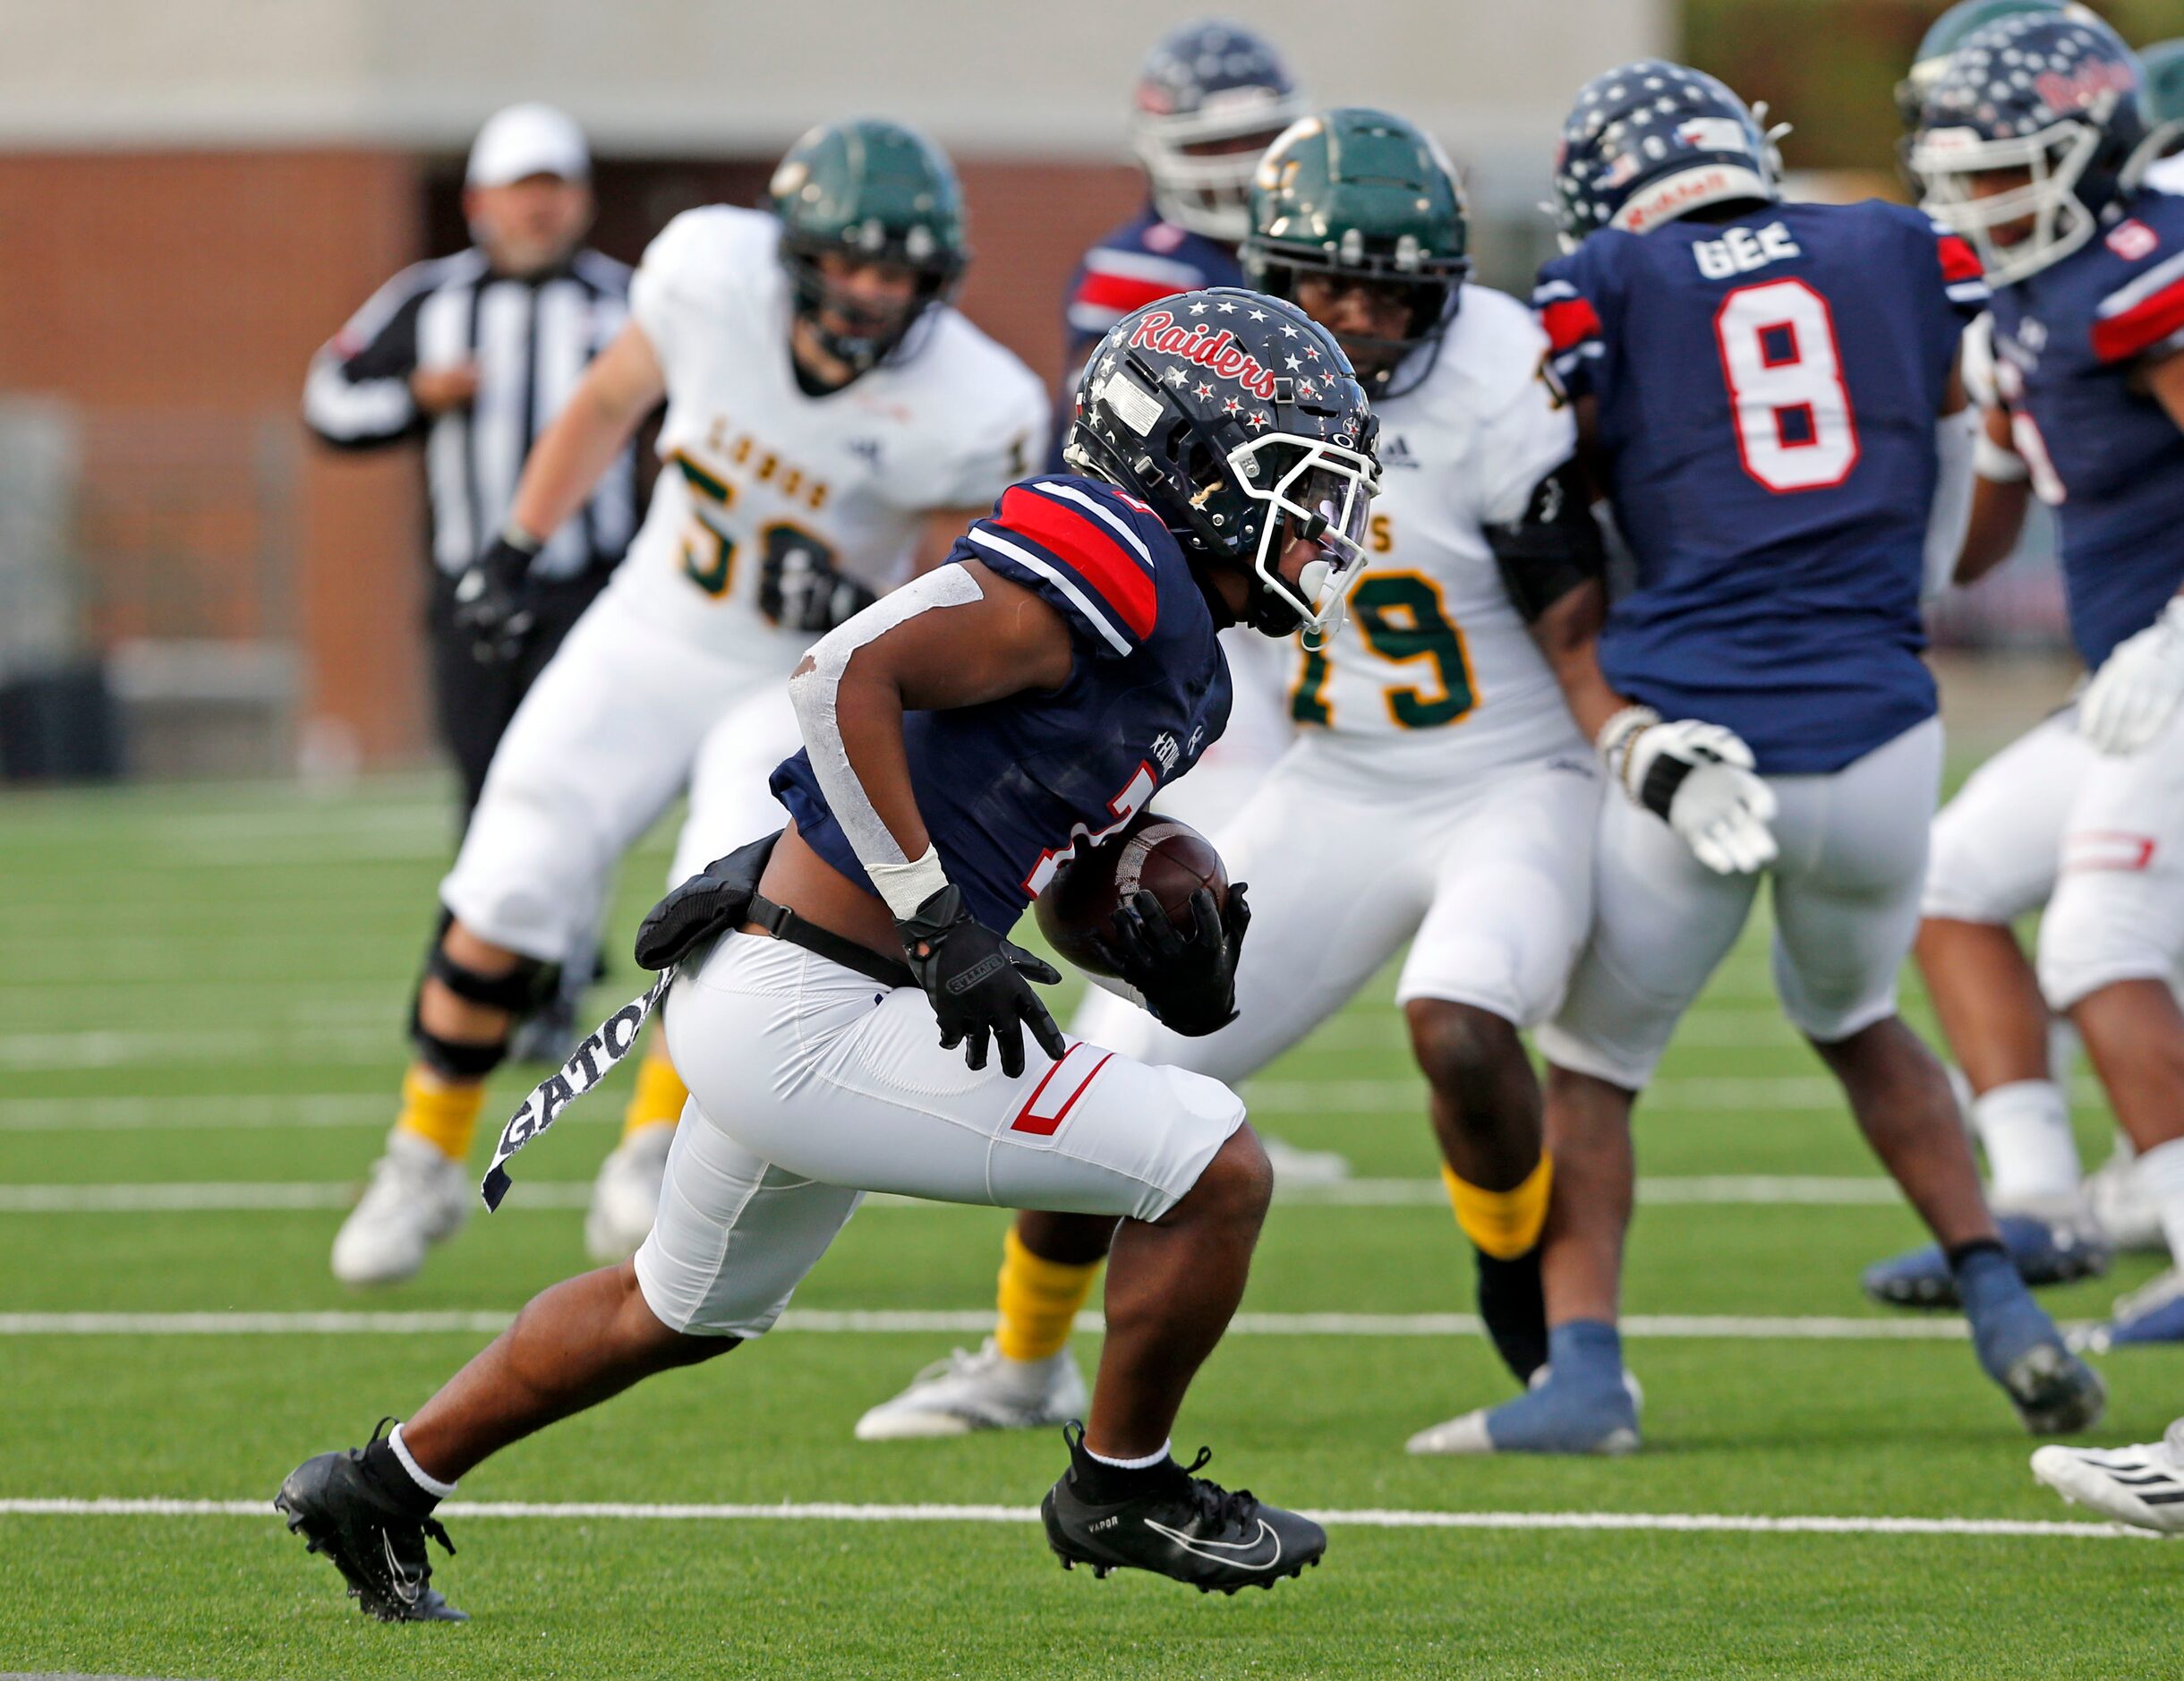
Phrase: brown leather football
[1153,854]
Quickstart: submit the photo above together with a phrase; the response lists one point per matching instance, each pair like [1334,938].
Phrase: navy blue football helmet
[1206,92]
[1651,140]
[2054,99]
[1240,422]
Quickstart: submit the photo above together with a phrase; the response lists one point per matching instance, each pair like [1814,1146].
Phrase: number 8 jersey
[1436,666]
[1767,391]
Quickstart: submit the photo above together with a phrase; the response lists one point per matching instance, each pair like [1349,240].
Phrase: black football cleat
[376,1545]
[1190,1529]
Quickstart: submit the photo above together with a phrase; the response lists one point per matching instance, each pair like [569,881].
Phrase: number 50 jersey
[751,464]
[1436,669]
[1768,390]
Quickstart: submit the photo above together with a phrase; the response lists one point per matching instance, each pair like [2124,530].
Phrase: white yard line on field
[1371,1517]
[244,1196]
[116,1047]
[1705,1327]
[264,1111]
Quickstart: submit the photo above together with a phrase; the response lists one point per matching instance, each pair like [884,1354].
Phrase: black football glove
[493,602]
[979,983]
[1188,983]
[706,906]
[800,589]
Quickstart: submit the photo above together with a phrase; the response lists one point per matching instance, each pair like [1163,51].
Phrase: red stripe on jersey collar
[2141,327]
[1569,321]
[1124,293]
[1096,554]
[1959,261]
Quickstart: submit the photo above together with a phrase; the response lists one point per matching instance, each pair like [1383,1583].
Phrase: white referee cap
[528,139]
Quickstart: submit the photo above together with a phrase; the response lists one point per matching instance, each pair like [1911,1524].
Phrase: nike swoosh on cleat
[406,1590]
[1223,1552]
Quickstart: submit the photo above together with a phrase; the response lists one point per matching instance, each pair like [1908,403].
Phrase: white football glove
[2132,695]
[1697,777]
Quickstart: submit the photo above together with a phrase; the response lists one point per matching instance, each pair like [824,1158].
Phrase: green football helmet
[875,191]
[2164,99]
[1365,197]
[1945,35]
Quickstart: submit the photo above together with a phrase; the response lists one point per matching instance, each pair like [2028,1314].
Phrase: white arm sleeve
[813,692]
[1955,438]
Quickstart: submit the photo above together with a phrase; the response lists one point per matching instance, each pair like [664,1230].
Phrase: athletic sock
[1587,1352]
[1104,1481]
[2159,1174]
[444,1116]
[388,1466]
[1503,1223]
[2032,1159]
[2005,1320]
[660,1095]
[1038,1302]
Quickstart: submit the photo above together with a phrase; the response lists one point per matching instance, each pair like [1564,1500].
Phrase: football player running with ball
[2084,814]
[1769,392]
[832,423]
[962,739]
[1434,751]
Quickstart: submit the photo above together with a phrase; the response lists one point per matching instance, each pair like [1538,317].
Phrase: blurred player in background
[1437,789]
[476,354]
[961,740]
[1767,392]
[1210,97]
[1939,44]
[2085,813]
[830,420]
[1988,999]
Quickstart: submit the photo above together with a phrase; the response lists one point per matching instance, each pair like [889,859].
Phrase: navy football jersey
[1767,391]
[2069,342]
[1140,262]
[1011,790]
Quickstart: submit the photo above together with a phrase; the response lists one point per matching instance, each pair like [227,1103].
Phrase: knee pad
[519,992]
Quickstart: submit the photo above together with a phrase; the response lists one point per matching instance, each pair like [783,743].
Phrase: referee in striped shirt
[475,354]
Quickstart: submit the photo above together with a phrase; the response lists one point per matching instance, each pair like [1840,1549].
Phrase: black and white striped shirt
[530,340]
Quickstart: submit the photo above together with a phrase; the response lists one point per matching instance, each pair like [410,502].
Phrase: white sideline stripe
[299,1110]
[213,1197]
[1369,1518]
[975,1321]
[236,1197]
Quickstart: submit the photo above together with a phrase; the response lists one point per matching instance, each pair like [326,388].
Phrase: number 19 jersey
[1767,391]
[752,464]
[1436,667]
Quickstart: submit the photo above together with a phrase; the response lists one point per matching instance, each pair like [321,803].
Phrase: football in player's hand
[1153,854]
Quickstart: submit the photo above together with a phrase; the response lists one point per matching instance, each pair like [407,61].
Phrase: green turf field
[204,997]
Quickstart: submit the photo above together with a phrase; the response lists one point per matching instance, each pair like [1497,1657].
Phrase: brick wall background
[173,299]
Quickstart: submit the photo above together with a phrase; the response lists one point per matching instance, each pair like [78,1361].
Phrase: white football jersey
[1436,665]
[750,464]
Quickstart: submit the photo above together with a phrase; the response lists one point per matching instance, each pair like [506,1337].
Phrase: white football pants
[2098,840]
[811,1085]
[623,716]
[1846,902]
[1490,877]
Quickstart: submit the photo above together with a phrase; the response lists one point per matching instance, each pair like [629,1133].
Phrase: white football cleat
[417,1198]
[968,1392]
[2141,1486]
[2121,1210]
[625,1195]
[1293,1167]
